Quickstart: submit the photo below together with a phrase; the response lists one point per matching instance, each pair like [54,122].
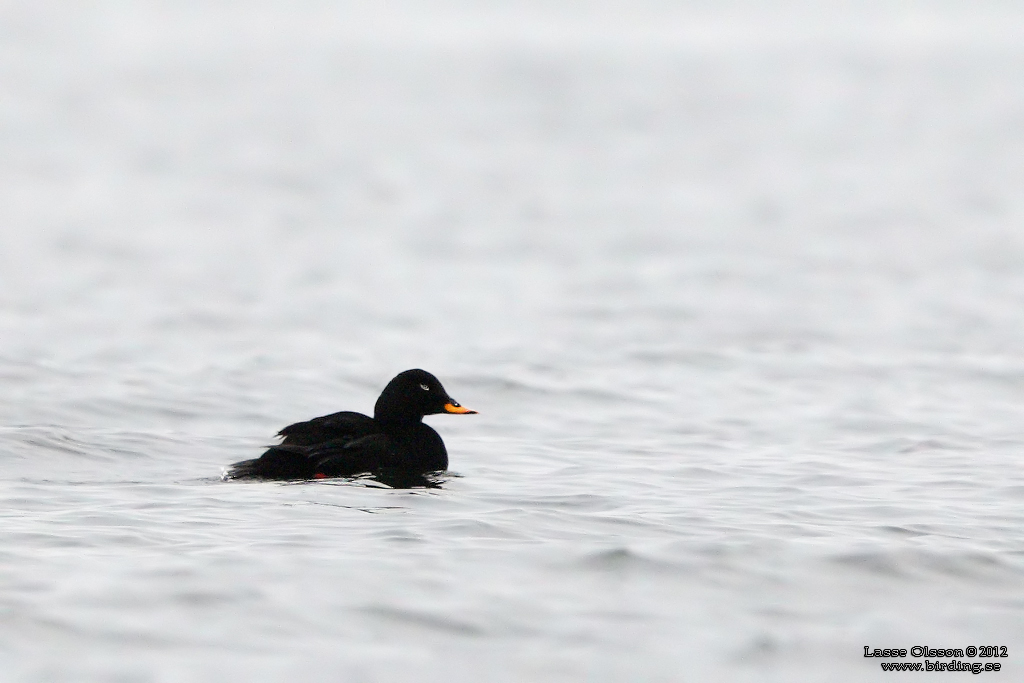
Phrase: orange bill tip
[457,409]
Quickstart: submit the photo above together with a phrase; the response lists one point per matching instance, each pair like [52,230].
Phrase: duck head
[413,394]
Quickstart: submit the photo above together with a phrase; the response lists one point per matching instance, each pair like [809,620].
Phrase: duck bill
[457,409]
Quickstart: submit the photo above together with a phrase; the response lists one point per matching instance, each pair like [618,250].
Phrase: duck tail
[247,469]
[279,462]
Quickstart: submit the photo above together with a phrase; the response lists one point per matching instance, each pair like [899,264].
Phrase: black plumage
[393,441]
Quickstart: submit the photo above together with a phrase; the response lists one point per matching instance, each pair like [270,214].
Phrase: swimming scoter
[347,443]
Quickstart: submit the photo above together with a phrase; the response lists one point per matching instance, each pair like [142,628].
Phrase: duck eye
[424,387]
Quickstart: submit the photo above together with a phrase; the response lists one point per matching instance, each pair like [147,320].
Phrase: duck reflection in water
[394,447]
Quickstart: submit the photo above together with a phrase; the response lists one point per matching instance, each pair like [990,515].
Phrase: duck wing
[341,458]
[343,426]
[416,450]
[336,458]
[296,457]
[419,449]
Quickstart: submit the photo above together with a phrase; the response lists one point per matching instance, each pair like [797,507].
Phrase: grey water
[737,289]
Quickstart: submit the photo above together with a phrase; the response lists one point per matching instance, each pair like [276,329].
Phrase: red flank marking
[319,475]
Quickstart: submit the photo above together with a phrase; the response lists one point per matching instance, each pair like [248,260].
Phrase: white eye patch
[424,387]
